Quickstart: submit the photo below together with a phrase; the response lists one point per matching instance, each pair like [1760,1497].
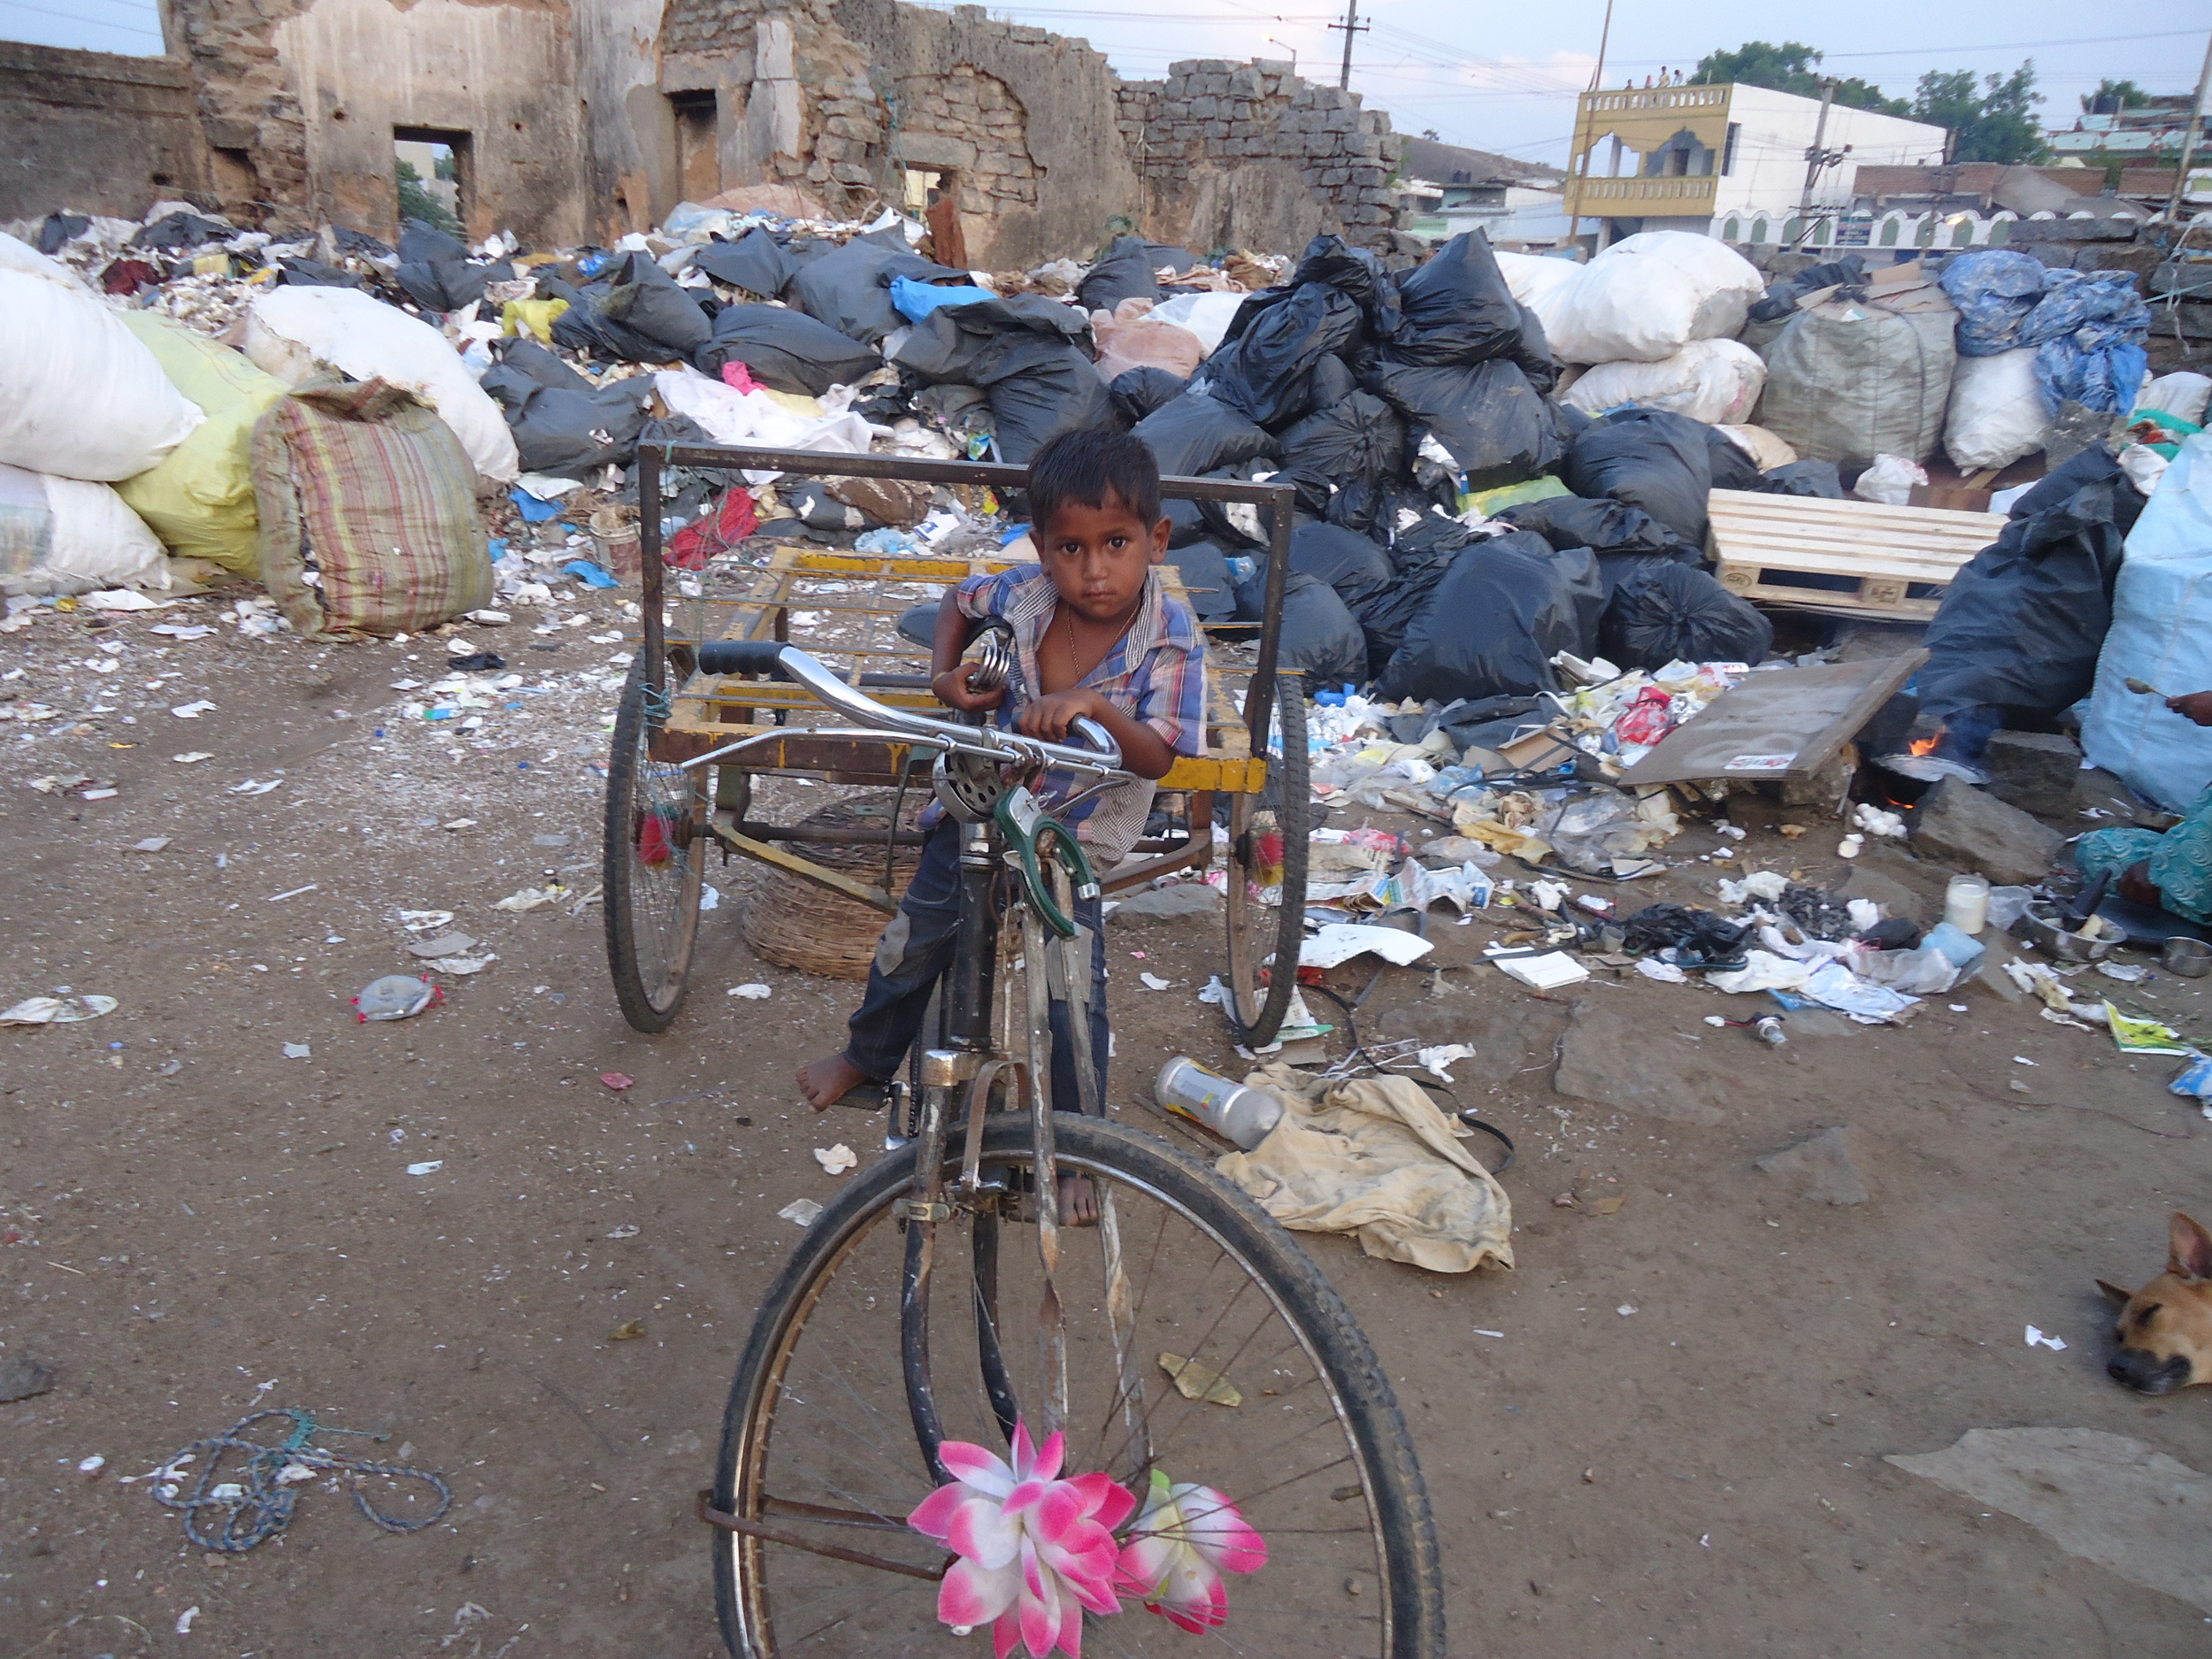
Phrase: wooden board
[1785,723]
[1898,559]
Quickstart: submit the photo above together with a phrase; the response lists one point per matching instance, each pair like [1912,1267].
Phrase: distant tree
[1431,134]
[416,202]
[1789,67]
[1994,123]
[2128,95]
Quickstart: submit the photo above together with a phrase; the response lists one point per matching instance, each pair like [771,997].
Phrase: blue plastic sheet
[533,509]
[1995,290]
[590,574]
[915,300]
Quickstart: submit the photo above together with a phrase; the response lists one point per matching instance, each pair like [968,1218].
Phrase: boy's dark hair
[1089,464]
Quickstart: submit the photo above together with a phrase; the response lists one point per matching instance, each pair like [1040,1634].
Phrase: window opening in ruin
[919,182]
[431,173]
[698,155]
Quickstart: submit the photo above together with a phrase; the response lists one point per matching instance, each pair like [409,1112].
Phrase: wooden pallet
[1883,563]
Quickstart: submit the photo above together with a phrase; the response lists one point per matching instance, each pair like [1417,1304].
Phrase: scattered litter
[837,1159]
[185,1618]
[628,1331]
[2022,1059]
[1433,1061]
[2035,1339]
[395,997]
[291,892]
[753,993]
[1481,1331]
[91,1465]
[429,1168]
[252,788]
[151,844]
[192,757]
[2136,1035]
[464,965]
[2127,973]
[442,945]
[1665,972]
[56,1010]
[616,1081]
[425,921]
[1154,982]
[459,824]
[1625,1308]
[1546,971]
[532,898]
[1195,1381]
[625,1231]
[232,1517]
[298,1051]
[192,710]
[1339,942]
[803,1210]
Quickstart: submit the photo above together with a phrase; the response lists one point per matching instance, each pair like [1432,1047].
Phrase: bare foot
[826,1081]
[1079,1202]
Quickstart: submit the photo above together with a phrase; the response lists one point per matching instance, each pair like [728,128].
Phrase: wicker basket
[795,923]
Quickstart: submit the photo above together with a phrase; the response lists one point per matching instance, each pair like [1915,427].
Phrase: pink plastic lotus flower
[1186,1539]
[1034,1551]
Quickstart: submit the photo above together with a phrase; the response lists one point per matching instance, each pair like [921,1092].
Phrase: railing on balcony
[1657,98]
[1639,196]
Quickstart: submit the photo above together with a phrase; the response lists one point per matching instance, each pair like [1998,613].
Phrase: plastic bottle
[1769,1027]
[1966,904]
[1232,1110]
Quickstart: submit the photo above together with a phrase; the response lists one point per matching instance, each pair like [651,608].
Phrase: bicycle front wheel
[1245,1373]
[654,851]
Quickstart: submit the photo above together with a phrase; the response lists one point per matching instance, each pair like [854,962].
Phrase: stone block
[2026,233]
[1245,82]
[1217,129]
[849,172]
[1824,1169]
[1368,177]
[2034,771]
[830,147]
[1330,177]
[1205,108]
[1339,121]
[1958,825]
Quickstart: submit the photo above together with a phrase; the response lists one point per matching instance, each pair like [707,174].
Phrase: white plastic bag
[290,330]
[1649,296]
[62,535]
[1711,381]
[1996,411]
[730,416]
[2161,632]
[1205,315]
[78,395]
[1889,481]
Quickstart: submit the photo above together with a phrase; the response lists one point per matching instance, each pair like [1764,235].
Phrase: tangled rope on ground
[257,1505]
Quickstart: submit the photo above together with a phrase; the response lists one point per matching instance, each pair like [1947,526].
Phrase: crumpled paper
[1376,1158]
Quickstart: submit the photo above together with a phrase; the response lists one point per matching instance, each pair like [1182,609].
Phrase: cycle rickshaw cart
[1170,1412]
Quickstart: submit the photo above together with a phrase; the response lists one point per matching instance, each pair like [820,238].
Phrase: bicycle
[1186,1348]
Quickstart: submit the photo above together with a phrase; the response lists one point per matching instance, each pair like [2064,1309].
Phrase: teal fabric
[2180,859]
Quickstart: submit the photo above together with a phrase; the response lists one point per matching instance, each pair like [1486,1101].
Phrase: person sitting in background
[2168,869]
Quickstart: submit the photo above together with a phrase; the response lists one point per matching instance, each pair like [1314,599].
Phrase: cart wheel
[656,844]
[1267,879]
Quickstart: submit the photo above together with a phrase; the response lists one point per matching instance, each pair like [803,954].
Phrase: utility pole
[1351,26]
[2189,138]
[1582,164]
[1816,158]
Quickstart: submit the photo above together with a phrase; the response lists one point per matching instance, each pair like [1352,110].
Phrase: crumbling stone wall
[1248,154]
[972,124]
[97,132]
[248,106]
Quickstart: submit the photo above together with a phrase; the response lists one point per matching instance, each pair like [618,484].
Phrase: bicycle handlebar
[788,662]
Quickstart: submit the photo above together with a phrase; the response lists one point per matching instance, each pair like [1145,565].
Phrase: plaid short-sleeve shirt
[1155,674]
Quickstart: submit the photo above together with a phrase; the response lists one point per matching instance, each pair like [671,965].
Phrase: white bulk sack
[1711,381]
[1649,296]
[1544,285]
[290,330]
[78,394]
[2182,395]
[62,535]
[1997,413]
[1762,446]
[1206,315]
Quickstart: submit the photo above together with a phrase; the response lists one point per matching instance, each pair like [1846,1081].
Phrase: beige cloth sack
[1376,1158]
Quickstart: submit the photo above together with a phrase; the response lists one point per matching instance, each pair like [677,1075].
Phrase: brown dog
[2165,1329]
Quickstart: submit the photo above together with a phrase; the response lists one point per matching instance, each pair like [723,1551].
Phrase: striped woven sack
[364,479]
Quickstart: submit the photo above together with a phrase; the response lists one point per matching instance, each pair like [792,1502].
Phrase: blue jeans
[914,953]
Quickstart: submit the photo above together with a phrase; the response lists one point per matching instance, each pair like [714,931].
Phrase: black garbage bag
[784,348]
[1139,392]
[1167,255]
[560,429]
[1699,938]
[1333,381]
[1354,273]
[1023,353]
[1352,565]
[1385,615]
[57,228]
[632,310]
[435,272]
[1604,526]
[755,262]
[1123,273]
[1803,477]
[525,358]
[177,230]
[1668,612]
[1196,434]
[1266,373]
[849,288]
[1502,609]
[1207,584]
[1731,466]
[1346,447]
[1533,353]
[1650,458]
[313,274]
[1242,526]
[2021,624]
[1320,637]
[358,242]
[1783,294]
[1455,309]
[421,242]
[1495,426]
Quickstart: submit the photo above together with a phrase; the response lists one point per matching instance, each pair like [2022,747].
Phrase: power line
[71,17]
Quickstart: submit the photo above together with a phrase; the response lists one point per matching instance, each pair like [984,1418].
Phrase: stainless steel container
[1233,1111]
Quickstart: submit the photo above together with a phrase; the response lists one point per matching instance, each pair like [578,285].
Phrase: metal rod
[650,585]
[815,464]
[1259,692]
[831,837]
[730,1523]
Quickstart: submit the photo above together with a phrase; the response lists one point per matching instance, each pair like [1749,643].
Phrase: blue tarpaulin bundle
[2088,326]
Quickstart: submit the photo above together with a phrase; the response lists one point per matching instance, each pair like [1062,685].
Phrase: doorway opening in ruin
[698,153]
[432,174]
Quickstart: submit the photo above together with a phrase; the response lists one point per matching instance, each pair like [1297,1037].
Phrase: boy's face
[1097,557]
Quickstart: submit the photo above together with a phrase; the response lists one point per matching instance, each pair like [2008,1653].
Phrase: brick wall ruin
[588,118]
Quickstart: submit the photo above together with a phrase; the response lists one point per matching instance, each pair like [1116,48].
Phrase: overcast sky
[1504,78]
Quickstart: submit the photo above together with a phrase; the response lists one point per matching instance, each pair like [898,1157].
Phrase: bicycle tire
[1257,929]
[1410,1614]
[652,911]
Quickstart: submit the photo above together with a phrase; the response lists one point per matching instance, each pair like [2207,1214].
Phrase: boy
[1096,636]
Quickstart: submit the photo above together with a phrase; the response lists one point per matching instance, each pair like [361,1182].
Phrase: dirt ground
[1664,1431]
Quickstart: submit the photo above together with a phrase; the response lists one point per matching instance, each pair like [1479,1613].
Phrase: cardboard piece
[1785,723]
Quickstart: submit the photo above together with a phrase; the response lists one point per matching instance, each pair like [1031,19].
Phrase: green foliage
[1995,122]
[1789,67]
[415,202]
[2130,96]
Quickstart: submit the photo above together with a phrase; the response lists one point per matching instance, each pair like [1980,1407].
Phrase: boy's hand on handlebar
[951,687]
[1050,717]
